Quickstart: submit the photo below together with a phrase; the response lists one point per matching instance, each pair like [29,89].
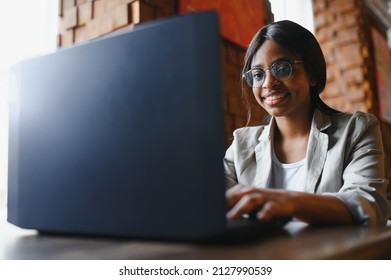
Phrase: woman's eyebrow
[260,66]
[257,66]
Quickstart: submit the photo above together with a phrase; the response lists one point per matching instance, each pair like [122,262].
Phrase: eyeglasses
[281,71]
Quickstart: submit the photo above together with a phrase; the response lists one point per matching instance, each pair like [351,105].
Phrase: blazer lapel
[316,150]
[263,157]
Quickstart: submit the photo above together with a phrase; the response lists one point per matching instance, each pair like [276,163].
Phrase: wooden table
[298,241]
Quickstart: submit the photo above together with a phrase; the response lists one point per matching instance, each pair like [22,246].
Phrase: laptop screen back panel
[123,136]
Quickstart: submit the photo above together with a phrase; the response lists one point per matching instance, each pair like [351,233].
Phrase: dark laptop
[122,136]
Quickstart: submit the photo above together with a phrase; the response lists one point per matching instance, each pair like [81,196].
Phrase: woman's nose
[269,81]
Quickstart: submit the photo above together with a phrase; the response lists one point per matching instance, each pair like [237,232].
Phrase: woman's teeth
[274,96]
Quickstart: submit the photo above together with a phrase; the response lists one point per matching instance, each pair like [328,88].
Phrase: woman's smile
[275,98]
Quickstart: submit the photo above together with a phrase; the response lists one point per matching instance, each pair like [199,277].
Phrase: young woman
[309,161]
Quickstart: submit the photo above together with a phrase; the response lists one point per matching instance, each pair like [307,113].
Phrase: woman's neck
[291,136]
[292,127]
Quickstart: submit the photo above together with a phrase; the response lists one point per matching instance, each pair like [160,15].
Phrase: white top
[289,176]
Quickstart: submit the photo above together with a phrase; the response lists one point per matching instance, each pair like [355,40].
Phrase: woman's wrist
[319,209]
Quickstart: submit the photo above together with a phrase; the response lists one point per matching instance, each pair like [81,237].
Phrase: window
[299,11]
[27,28]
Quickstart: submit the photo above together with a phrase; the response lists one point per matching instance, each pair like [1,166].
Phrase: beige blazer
[344,156]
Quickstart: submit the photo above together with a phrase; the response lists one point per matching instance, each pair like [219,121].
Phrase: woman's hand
[267,204]
[264,203]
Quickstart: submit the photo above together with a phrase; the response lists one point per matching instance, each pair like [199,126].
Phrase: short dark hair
[298,40]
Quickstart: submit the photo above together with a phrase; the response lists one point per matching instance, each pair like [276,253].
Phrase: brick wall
[343,30]
[82,20]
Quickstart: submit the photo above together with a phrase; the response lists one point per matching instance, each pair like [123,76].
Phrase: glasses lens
[249,78]
[281,70]
[255,77]
[258,77]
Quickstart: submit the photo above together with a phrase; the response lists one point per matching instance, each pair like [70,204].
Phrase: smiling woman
[307,161]
[27,28]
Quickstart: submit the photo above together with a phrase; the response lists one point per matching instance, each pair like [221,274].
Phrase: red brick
[122,15]
[330,74]
[331,90]
[359,106]
[70,18]
[319,5]
[347,36]
[81,34]
[85,13]
[100,26]
[342,7]
[163,8]
[147,11]
[67,38]
[349,56]
[81,2]
[68,4]
[355,95]
[135,12]
[350,19]
[98,9]
[355,75]
[321,20]
[60,8]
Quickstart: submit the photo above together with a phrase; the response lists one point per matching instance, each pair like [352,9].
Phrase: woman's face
[281,98]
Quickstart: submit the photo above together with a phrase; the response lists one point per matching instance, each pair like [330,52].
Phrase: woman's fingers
[234,194]
[264,203]
[247,203]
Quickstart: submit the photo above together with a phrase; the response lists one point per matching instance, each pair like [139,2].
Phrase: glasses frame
[249,79]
